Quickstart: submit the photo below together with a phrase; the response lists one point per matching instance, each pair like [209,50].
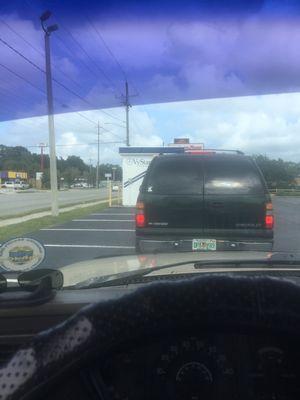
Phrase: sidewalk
[34,215]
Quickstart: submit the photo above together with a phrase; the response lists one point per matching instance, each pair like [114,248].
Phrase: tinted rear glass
[232,176]
[175,176]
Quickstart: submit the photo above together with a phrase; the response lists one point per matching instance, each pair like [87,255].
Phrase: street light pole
[52,150]
[127,105]
[98,157]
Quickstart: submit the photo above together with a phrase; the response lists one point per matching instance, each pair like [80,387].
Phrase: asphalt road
[111,232]
[287,224]
[13,203]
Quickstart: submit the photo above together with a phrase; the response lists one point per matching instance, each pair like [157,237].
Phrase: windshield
[131,129]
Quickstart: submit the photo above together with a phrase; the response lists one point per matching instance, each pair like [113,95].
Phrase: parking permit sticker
[21,254]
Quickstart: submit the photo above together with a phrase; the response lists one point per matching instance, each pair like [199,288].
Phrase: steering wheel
[227,301]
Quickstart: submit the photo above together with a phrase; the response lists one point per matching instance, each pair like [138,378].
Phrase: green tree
[278,173]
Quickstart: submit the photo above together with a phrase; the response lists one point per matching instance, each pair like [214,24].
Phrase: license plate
[204,244]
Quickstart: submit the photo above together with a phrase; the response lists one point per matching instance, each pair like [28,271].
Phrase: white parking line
[128,214]
[88,246]
[87,230]
[103,220]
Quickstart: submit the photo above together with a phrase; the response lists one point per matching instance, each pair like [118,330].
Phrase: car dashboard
[204,366]
[197,364]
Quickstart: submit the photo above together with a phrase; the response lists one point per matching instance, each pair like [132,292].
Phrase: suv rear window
[232,176]
[175,176]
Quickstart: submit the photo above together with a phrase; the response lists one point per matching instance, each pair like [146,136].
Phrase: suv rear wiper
[124,278]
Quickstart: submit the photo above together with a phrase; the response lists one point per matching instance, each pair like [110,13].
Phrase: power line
[107,47]
[40,90]
[21,37]
[54,79]
[76,42]
[83,116]
[88,56]
[110,52]
[38,51]
[57,37]
[22,78]
[21,55]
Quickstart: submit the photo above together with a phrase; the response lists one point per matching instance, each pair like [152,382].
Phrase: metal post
[53,167]
[109,193]
[98,157]
[119,195]
[42,156]
[127,105]
[90,173]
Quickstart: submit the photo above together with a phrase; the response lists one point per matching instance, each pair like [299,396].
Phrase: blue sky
[168,51]
[208,70]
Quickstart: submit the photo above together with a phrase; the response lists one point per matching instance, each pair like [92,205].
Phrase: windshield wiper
[124,278]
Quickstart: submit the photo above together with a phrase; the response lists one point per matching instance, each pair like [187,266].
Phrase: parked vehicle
[9,185]
[204,202]
[15,185]
[21,185]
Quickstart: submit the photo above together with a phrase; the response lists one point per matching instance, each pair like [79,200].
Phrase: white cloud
[260,124]
[267,124]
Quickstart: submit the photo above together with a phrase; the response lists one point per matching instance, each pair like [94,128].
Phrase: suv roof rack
[226,151]
[191,150]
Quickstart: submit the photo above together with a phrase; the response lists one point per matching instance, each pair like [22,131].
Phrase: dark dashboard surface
[205,366]
[196,364]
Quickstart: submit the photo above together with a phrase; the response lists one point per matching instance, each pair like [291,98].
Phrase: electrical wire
[54,79]
[88,56]
[108,49]
[22,78]
[42,91]
[38,51]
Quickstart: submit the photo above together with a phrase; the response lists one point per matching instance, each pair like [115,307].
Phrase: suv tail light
[140,219]
[269,218]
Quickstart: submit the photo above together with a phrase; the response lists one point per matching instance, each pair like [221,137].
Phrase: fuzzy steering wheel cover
[155,308]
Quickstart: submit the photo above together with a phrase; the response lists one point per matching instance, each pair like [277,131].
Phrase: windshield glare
[152,134]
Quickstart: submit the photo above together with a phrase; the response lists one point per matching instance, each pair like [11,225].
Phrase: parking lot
[111,232]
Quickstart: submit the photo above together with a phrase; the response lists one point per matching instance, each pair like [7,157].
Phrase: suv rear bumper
[163,244]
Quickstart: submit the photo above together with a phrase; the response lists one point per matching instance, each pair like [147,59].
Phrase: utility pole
[90,173]
[98,157]
[114,173]
[52,151]
[42,145]
[127,105]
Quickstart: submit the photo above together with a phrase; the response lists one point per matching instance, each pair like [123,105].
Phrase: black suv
[208,202]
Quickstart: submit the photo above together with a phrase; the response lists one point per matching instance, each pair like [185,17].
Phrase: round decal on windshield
[21,254]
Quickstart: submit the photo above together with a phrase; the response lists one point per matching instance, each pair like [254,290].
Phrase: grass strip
[23,228]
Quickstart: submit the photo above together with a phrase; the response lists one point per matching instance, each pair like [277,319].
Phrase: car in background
[80,185]
[210,201]
[9,185]
[21,185]
[115,188]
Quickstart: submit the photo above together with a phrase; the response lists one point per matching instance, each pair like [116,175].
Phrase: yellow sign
[16,175]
